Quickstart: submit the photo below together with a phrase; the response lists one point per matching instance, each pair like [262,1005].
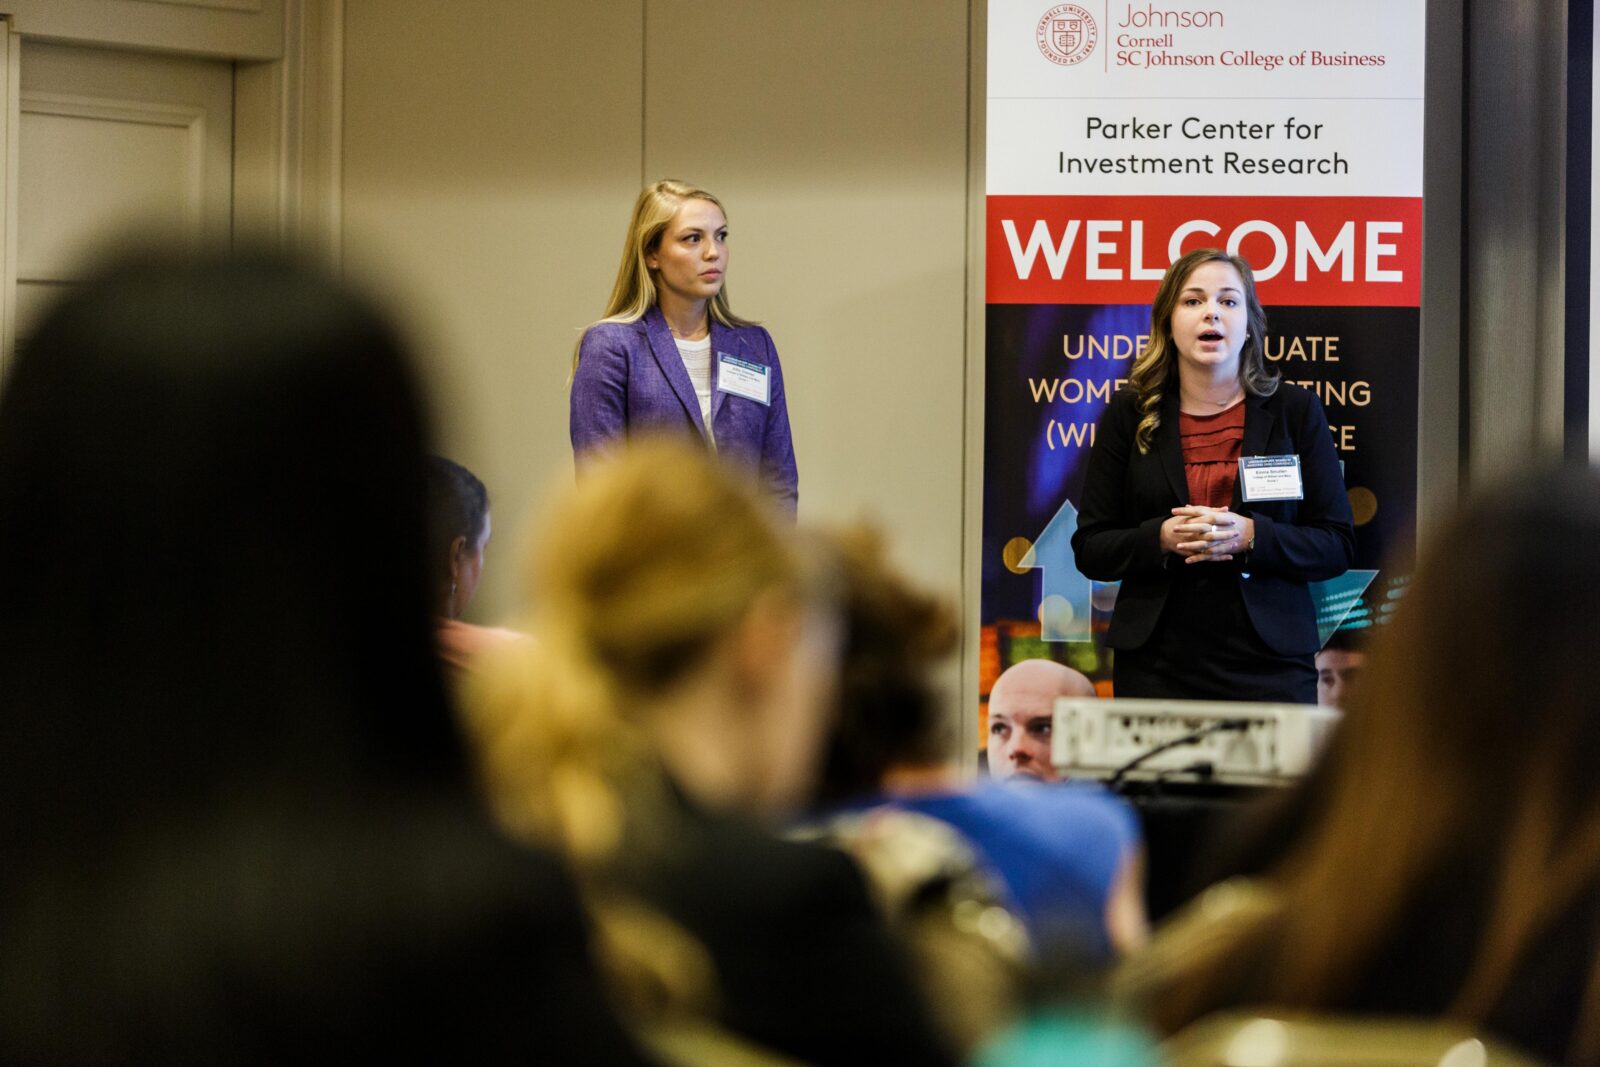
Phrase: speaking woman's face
[1210,321]
[692,257]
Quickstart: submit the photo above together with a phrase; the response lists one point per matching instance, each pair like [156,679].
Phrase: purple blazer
[630,378]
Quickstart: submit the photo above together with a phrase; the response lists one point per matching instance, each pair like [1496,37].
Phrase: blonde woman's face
[692,258]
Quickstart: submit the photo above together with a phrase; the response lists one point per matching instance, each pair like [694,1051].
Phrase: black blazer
[1127,496]
[805,965]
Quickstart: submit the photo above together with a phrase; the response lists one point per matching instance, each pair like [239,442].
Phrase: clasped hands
[1201,534]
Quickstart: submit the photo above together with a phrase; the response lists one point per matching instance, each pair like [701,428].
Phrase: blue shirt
[1055,846]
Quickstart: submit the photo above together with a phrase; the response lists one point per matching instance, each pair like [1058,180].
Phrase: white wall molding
[288,133]
[216,5]
[224,29]
[10,121]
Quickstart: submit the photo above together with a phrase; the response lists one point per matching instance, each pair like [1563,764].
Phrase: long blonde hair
[634,291]
[638,574]
[1155,372]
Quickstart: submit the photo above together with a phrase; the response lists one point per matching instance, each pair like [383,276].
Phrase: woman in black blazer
[1213,603]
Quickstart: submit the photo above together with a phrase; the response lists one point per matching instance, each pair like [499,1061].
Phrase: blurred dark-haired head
[212,476]
[896,635]
[458,532]
[234,810]
[224,723]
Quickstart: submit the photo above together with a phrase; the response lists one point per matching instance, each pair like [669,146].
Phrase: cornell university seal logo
[1067,34]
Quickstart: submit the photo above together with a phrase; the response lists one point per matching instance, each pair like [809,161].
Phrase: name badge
[1263,478]
[749,380]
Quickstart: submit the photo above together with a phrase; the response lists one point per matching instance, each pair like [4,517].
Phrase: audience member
[1021,713]
[1339,663]
[1453,866]
[459,528]
[927,878]
[676,693]
[236,817]
[1067,855]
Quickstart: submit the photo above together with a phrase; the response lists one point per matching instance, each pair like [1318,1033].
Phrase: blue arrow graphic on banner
[1064,600]
[1337,598]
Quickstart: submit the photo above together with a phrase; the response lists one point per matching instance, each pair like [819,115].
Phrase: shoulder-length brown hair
[1465,766]
[1155,372]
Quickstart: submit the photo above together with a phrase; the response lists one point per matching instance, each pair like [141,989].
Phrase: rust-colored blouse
[1212,445]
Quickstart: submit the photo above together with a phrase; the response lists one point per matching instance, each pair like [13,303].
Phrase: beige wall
[492,152]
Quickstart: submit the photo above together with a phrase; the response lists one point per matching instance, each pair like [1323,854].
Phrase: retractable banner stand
[1123,135]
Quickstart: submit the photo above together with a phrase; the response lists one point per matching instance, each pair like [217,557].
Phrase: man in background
[1021,709]
[1339,663]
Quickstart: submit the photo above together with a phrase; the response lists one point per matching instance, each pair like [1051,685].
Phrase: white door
[110,143]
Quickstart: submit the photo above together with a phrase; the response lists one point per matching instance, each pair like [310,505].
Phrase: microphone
[1192,737]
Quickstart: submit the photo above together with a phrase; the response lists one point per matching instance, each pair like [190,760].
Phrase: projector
[1187,740]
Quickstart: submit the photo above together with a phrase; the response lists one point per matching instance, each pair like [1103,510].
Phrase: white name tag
[749,380]
[1263,478]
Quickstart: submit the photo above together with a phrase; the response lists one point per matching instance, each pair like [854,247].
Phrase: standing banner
[1121,135]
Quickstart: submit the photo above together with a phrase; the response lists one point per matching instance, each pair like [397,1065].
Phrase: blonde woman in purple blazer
[670,356]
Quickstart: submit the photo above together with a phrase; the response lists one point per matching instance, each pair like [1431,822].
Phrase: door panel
[115,142]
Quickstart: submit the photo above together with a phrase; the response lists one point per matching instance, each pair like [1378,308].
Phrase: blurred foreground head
[212,472]
[896,636]
[1483,685]
[1460,805]
[677,626]
[225,739]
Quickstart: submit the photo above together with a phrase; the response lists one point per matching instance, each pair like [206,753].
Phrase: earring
[454,611]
